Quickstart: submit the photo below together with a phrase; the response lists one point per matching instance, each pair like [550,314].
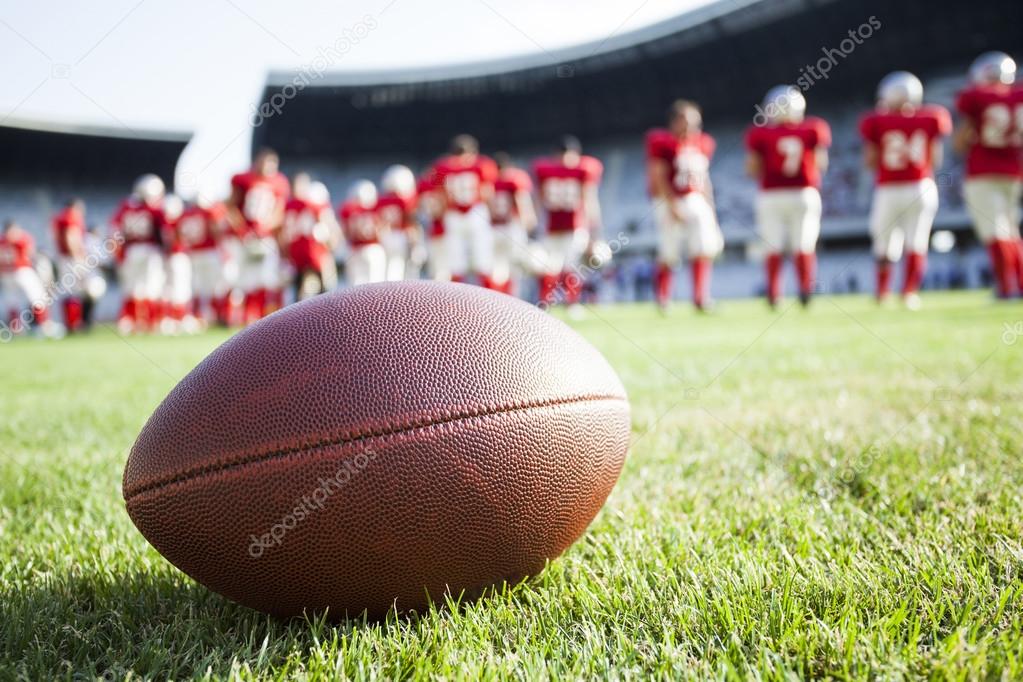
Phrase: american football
[370,449]
[511,340]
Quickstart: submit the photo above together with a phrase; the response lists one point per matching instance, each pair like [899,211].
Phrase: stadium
[337,473]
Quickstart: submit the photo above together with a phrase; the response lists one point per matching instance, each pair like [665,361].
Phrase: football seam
[245,460]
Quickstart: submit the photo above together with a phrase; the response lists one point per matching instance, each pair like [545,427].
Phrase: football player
[177,313]
[397,209]
[567,185]
[513,218]
[466,179]
[788,154]
[678,169]
[69,238]
[309,236]
[137,228]
[20,285]
[200,230]
[255,211]
[903,146]
[360,222]
[990,135]
[431,208]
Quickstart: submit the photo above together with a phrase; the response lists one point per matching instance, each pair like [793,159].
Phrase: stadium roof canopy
[41,151]
[725,55]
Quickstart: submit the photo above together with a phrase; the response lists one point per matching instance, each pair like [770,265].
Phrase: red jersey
[361,225]
[504,208]
[788,152]
[68,225]
[307,246]
[432,205]
[688,158]
[905,142]
[199,229]
[138,222]
[261,198]
[562,193]
[16,249]
[395,212]
[996,112]
[463,181]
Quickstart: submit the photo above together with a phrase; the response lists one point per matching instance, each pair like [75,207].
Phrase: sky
[200,65]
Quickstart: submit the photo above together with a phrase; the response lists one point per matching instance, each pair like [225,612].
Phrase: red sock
[459,279]
[1019,266]
[662,284]
[253,305]
[504,287]
[701,280]
[548,283]
[41,314]
[806,270]
[916,265]
[1013,266]
[999,270]
[573,286]
[221,306]
[14,321]
[884,278]
[72,313]
[128,309]
[774,262]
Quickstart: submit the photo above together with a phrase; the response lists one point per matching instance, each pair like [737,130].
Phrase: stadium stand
[45,164]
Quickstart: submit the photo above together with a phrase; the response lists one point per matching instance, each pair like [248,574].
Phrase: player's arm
[526,209]
[870,156]
[964,137]
[591,200]
[937,153]
[821,154]
[329,219]
[75,241]
[754,165]
[658,170]
[277,218]
[659,175]
[235,219]
[116,233]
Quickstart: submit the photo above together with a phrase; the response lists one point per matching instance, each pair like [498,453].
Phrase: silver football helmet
[993,67]
[784,104]
[899,89]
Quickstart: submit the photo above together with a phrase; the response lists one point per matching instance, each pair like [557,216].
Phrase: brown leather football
[379,447]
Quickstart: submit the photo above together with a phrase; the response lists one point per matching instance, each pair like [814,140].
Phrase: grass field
[831,493]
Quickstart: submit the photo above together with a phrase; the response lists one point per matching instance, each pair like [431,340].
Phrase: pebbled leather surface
[378,446]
